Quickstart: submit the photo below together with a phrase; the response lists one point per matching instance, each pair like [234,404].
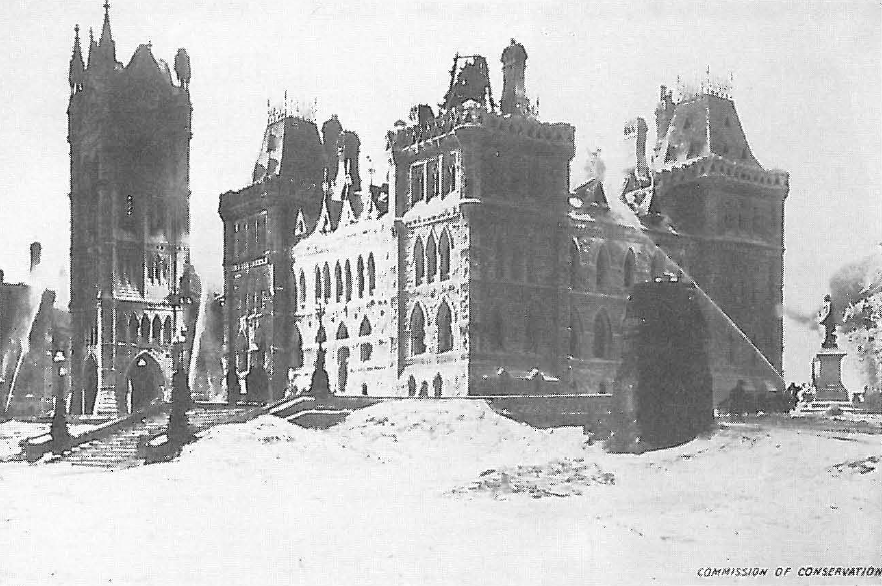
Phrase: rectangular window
[417,182]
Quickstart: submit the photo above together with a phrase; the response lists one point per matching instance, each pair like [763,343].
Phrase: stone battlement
[554,133]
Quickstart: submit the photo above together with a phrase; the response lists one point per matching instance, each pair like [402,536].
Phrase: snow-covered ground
[12,432]
[449,493]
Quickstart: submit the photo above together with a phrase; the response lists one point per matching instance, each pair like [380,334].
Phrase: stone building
[129,134]
[481,271]
[32,328]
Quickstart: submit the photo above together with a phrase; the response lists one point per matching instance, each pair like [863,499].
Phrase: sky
[807,86]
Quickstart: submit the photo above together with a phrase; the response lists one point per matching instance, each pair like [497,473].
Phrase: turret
[514,93]
[76,71]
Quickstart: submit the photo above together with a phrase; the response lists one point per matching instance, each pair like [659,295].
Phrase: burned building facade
[477,269]
[129,135]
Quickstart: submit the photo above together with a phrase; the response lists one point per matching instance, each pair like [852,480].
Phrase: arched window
[302,287]
[338,281]
[366,348]
[411,386]
[320,336]
[575,265]
[347,275]
[436,384]
[326,282]
[629,269]
[133,329]
[602,336]
[167,330]
[342,332]
[431,259]
[603,269]
[496,332]
[318,284]
[417,331]
[575,334]
[372,274]
[419,268]
[445,328]
[444,255]
[359,277]
[145,330]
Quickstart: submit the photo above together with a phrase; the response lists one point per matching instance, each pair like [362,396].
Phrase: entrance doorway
[145,383]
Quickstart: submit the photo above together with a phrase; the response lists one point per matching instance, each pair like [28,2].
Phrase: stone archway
[144,384]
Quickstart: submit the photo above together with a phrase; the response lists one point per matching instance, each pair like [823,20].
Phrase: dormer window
[687,124]
[744,153]
[727,124]
[670,155]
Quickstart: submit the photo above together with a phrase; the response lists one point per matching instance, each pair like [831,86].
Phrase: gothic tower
[729,210]
[129,135]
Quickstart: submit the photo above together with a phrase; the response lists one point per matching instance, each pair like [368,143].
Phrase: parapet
[477,116]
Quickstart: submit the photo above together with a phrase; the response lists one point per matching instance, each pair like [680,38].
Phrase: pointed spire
[93,47]
[107,37]
[105,31]
[75,73]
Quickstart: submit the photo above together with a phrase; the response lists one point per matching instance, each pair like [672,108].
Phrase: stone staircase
[319,413]
[124,447]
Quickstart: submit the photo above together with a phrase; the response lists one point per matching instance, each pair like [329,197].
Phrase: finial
[77,30]
[106,7]
[91,35]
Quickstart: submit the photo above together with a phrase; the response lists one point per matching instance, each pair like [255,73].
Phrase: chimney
[635,146]
[664,111]
[36,254]
[331,131]
[514,93]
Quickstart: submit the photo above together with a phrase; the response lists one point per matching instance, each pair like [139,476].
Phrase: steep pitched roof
[704,125]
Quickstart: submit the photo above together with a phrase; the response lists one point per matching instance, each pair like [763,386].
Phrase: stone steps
[121,448]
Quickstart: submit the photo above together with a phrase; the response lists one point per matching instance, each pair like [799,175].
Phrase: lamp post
[58,429]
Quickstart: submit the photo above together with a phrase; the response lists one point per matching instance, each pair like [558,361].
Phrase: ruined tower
[129,134]
[730,210]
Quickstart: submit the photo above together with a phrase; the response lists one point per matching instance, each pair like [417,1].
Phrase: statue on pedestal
[827,318]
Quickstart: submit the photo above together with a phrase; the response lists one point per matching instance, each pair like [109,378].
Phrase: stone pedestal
[827,375]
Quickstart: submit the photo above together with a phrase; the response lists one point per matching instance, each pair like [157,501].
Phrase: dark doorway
[145,383]
[342,369]
[90,387]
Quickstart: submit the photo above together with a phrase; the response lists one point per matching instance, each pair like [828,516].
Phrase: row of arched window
[132,330]
[437,383]
[341,287]
[498,339]
[433,260]
[417,327]
[603,280]
[512,261]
